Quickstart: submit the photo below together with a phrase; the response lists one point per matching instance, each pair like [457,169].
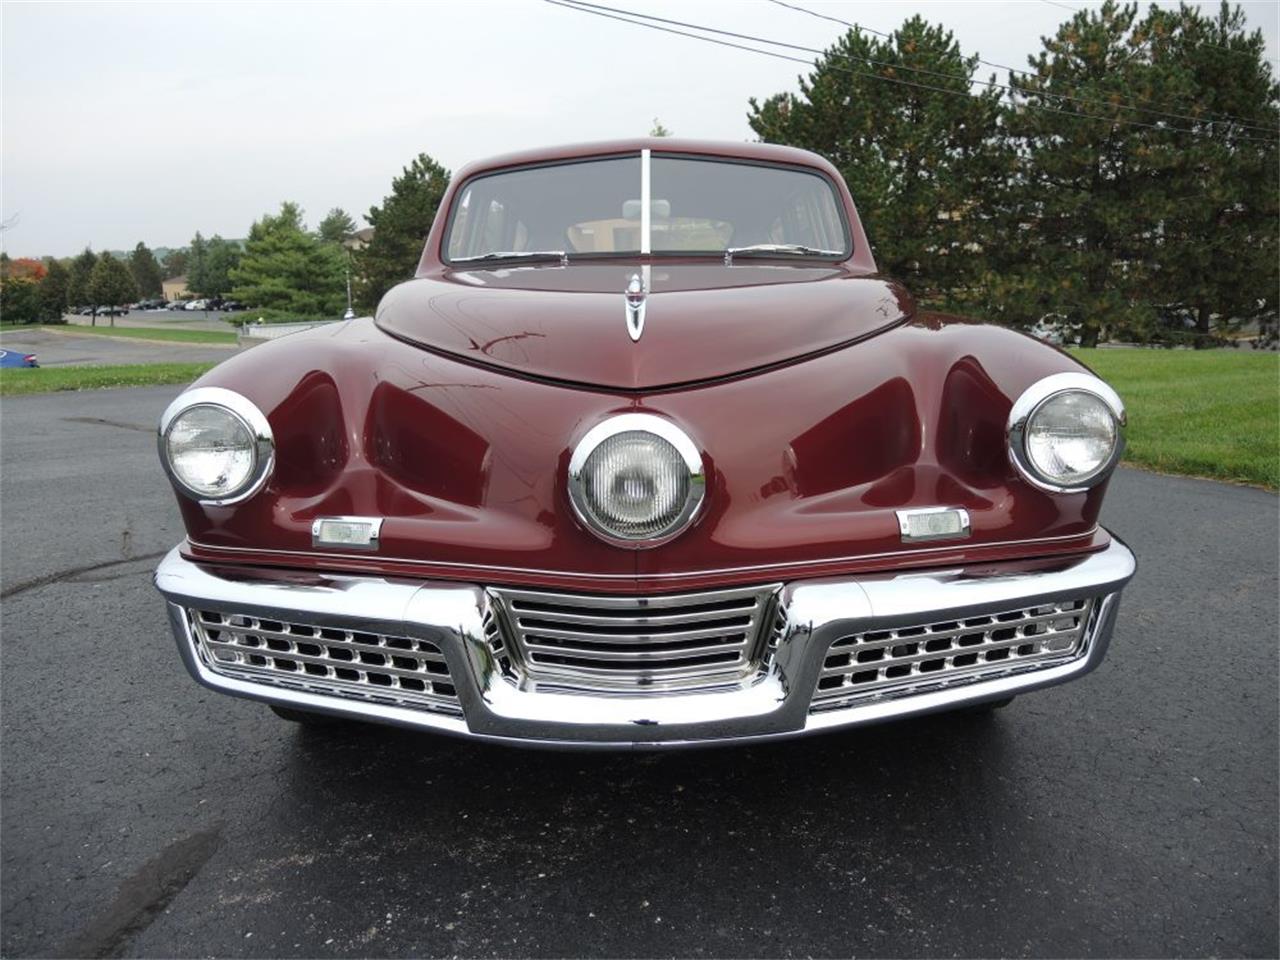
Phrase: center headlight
[636,480]
[216,445]
[1065,432]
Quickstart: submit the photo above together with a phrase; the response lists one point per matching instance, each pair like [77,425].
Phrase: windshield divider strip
[646,245]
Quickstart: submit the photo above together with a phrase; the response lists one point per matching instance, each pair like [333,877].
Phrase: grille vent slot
[403,671]
[637,644]
[910,659]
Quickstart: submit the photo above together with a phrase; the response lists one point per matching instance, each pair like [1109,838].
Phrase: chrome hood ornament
[637,291]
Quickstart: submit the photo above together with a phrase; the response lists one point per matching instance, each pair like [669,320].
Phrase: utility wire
[638,19]
[1203,118]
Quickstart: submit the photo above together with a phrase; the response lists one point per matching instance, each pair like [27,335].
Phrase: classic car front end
[646,454]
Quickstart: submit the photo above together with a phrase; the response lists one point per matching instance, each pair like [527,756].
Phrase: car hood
[702,321]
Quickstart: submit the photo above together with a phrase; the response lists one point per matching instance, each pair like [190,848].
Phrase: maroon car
[646,453]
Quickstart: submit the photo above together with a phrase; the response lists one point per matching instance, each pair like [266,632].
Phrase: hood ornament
[637,290]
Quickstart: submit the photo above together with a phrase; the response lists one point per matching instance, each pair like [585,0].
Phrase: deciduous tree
[53,291]
[400,226]
[175,263]
[19,300]
[111,284]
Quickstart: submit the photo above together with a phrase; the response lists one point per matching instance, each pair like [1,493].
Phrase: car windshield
[594,208]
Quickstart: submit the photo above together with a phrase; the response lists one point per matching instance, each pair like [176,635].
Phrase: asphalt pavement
[1130,813]
[64,347]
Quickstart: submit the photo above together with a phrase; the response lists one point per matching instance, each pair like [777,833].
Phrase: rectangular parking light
[933,523]
[350,533]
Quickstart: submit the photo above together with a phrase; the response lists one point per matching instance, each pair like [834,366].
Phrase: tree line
[1123,185]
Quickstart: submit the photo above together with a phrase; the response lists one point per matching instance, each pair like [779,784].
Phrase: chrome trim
[1025,407]
[904,524]
[637,423]
[814,614]
[332,661]
[634,303]
[374,535]
[924,554]
[646,195]
[253,420]
[900,661]
[641,646]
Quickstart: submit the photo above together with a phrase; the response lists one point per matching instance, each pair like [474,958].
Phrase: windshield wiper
[528,256]
[777,250]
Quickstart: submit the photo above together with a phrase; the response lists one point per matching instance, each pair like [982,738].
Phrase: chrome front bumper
[439,625]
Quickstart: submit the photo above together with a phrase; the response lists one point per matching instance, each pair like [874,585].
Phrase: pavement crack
[144,895]
[48,578]
[103,422]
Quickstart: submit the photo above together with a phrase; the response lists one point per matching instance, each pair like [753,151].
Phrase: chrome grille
[636,644]
[907,659]
[404,671]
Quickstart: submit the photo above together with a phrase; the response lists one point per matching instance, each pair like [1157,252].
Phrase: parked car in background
[1049,331]
[177,304]
[232,306]
[112,311]
[646,454]
[10,358]
[196,305]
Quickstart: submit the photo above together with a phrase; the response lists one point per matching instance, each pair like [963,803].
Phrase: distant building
[360,239]
[175,288]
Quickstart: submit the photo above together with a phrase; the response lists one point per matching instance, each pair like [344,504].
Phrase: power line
[1205,117]
[638,19]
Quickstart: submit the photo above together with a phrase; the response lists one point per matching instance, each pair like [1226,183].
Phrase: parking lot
[63,347]
[1132,813]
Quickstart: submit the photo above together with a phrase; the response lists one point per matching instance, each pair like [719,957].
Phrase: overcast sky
[128,122]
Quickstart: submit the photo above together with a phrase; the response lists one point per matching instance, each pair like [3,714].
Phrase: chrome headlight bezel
[637,423]
[1033,400]
[249,416]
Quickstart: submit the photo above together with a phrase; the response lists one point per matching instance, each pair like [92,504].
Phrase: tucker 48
[646,453]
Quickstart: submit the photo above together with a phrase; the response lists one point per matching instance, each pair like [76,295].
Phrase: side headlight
[216,446]
[1066,432]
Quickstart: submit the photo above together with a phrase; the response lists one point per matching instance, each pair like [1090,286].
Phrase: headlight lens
[1065,432]
[1071,438]
[636,486]
[211,451]
[216,445]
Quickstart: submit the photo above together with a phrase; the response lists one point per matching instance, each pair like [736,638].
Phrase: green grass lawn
[137,333]
[17,381]
[1207,413]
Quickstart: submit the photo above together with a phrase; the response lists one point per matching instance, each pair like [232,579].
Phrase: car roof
[762,152]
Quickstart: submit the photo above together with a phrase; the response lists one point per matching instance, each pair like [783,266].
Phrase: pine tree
[337,226]
[1086,206]
[920,163]
[78,277]
[146,271]
[400,227]
[1217,260]
[197,264]
[283,267]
